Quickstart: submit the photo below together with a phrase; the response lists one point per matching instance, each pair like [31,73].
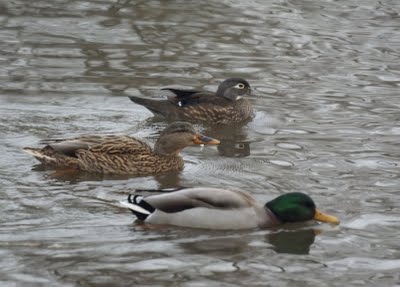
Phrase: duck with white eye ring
[229,105]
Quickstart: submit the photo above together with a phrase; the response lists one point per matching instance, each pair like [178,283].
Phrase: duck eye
[240,86]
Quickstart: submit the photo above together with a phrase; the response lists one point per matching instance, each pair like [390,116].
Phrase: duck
[227,106]
[222,209]
[121,154]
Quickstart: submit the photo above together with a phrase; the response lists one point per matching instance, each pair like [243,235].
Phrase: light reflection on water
[326,78]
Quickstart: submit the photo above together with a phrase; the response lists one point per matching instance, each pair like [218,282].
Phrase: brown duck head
[234,89]
[177,136]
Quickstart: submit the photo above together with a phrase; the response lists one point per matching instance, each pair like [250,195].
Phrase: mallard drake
[227,106]
[121,154]
[215,208]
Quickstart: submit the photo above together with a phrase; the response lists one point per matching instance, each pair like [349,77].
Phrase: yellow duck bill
[320,216]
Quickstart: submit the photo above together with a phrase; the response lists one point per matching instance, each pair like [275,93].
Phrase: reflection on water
[234,140]
[168,180]
[326,78]
[233,148]
[293,242]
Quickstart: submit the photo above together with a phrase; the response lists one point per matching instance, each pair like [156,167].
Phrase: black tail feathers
[141,209]
[164,190]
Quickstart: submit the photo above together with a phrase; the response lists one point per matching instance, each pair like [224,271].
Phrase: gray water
[326,77]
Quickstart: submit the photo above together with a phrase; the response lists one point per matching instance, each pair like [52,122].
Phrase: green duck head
[297,206]
[234,89]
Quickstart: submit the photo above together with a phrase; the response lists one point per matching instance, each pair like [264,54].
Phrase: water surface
[326,78]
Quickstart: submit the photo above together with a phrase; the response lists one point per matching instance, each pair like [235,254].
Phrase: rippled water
[326,75]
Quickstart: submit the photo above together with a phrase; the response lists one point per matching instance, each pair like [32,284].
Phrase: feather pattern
[227,106]
[120,154]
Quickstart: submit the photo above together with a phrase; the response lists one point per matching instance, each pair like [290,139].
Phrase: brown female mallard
[121,154]
[227,106]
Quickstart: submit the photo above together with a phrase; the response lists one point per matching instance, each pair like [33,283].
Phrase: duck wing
[117,155]
[191,106]
[213,198]
[110,144]
[181,93]
[69,146]
[186,98]
[120,145]
[62,152]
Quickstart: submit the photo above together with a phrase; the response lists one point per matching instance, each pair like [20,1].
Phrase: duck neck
[272,216]
[221,92]
[165,148]
[161,151]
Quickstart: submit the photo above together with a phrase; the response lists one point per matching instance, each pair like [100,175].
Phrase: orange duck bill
[202,139]
[320,216]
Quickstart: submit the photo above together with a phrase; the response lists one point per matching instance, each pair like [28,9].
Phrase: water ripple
[326,123]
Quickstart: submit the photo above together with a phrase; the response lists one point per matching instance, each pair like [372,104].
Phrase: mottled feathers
[227,106]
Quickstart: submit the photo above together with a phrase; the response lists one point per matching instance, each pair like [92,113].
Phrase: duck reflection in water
[232,148]
[233,140]
[293,241]
[165,180]
[283,241]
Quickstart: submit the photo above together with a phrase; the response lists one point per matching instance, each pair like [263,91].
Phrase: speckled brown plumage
[227,106]
[120,154]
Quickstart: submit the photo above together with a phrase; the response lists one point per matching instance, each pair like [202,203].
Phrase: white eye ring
[240,86]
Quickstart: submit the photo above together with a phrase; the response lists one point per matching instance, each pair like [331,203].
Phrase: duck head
[234,89]
[297,206]
[177,136]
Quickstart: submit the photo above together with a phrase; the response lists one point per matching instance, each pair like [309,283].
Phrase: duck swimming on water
[215,208]
[121,154]
[229,105]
